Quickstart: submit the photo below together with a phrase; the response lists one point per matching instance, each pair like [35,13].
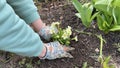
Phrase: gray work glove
[55,50]
[45,32]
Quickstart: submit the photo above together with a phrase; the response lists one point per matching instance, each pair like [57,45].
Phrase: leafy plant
[108,17]
[106,11]
[62,35]
[104,23]
[84,12]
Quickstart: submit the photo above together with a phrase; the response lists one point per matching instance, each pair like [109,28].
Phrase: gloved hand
[45,32]
[55,50]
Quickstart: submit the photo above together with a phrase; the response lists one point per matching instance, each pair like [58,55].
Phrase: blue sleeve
[15,35]
[25,9]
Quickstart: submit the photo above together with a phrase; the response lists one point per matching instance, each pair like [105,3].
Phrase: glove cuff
[45,54]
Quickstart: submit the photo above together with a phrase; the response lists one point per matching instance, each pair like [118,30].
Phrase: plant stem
[82,32]
[101,46]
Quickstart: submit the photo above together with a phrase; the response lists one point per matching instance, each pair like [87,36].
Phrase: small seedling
[117,45]
[103,60]
[85,65]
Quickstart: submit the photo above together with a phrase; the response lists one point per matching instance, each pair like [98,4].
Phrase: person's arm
[28,12]
[15,35]
[25,9]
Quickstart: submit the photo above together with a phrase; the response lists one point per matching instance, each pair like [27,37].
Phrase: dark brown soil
[85,48]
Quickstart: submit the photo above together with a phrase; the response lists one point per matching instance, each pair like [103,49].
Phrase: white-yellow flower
[53,27]
[52,31]
[54,24]
[66,33]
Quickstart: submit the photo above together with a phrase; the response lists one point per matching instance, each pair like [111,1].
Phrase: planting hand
[45,32]
[55,50]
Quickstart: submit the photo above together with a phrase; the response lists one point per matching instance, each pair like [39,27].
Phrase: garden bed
[86,49]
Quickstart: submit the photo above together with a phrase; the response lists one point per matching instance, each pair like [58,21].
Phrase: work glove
[45,32]
[55,50]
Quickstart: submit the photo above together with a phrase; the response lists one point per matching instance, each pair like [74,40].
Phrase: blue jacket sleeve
[25,9]
[15,35]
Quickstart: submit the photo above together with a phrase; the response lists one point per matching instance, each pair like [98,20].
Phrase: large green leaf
[104,6]
[115,28]
[94,15]
[77,5]
[85,12]
[108,19]
[116,3]
[108,15]
[103,23]
[116,15]
[93,1]
[100,22]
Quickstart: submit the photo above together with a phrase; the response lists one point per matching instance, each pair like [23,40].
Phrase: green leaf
[94,16]
[104,22]
[107,59]
[108,19]
[106,63]
[116,3]
[88,9]
[100,22]
[104,6]
[93,1]
[85,12]
[77,5]
[116,15]
[85,65]
[115,28]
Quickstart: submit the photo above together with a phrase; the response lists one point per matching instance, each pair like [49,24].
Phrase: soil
[86,49]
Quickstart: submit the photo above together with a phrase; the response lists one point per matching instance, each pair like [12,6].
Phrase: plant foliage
[62,35]
[106,13]
[84,12]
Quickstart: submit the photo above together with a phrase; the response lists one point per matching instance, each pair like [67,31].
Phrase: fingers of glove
[59,55]
[68,49]
[66,54]
[63,47]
